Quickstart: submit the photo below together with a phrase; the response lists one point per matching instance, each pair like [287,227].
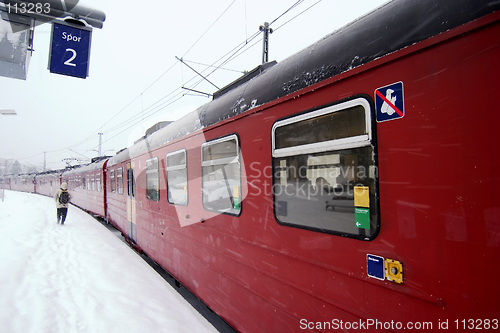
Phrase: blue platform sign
[375,266]
[389,102]
[70,50]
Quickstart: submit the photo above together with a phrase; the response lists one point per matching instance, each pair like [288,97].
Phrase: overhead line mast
[265,46]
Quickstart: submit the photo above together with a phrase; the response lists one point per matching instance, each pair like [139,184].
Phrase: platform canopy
[48,10]
[17,23]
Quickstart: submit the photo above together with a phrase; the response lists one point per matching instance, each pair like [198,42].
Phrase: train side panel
[48,183]
[438,214]
[22,183]
[117,195]
[272,262]
[87,187]
[438,188]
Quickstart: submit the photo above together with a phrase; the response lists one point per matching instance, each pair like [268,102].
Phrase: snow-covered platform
[79,277]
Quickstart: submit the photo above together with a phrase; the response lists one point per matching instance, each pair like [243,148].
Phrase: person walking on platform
[62,198]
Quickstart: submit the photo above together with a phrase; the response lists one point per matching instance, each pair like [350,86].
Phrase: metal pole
[100,137]
[265,46]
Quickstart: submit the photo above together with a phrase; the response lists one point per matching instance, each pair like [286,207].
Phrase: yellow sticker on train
[362,196]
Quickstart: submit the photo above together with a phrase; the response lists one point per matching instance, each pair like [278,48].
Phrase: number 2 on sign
[69,61]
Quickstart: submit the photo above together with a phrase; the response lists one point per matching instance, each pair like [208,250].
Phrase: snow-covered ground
[79,277]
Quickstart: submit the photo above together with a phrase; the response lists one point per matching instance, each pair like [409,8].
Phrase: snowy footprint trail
[79,277]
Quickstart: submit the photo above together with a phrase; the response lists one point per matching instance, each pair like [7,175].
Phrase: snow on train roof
[391,27]
[97,165]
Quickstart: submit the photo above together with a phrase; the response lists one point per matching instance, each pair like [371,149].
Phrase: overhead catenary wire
[152,109]
[177,93]
[203,34]
[134,124]
[240,46]
[168,70]
[233,53]
[173,65]
[302,12]
[286,11]
[247,41]
[206,65]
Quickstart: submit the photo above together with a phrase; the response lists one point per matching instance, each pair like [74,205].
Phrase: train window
[98,182]
[92,182]
[221,180]
[130,182]
[152,179]
[177,177]
[119,180]
[112,181]
[324,173]
[88,183]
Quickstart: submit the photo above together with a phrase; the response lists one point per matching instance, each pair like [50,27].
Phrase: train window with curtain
[177,186]
[152,179]
[324,171]
[221,175]
[119,180]
[112,181]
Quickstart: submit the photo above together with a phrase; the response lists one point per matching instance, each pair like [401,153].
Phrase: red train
[86,185]
[351,186]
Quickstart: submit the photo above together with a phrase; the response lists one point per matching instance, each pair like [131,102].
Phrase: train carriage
[23,183]
[47,183]
[345,183]
[28,181]
[118,192]
[349,186]
[87,186]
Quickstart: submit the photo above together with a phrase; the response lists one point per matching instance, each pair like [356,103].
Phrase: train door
[105,189]
[131,203]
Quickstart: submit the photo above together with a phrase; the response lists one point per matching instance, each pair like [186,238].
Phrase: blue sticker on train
[375,266]
[389,102]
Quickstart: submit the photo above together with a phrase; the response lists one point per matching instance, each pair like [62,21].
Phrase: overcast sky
[134,72]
